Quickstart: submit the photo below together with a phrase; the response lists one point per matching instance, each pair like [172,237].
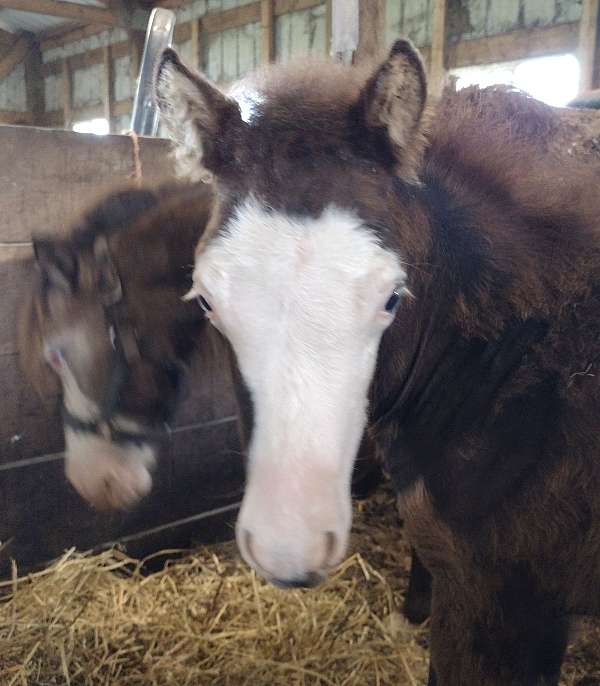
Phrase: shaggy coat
[486,395]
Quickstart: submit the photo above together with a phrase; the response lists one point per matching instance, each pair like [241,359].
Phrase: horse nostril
[330,547]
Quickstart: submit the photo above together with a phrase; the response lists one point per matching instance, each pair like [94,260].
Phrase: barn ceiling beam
[85,14]
[14,56]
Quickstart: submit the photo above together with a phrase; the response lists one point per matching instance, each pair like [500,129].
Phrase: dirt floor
[206,619]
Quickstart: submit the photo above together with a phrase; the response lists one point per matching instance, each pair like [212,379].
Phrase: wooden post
[357,29]
[34,81]
[371,30]
[437,60]
[588,38]
[136,43]
[67,94]
[328,27]
[195,39]
[267,32]
[107,93]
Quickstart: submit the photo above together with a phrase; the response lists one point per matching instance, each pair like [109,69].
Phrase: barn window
[553,79]
[99,126]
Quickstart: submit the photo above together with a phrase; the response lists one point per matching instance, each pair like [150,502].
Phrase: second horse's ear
[198,117]
[57,263]
[393,101]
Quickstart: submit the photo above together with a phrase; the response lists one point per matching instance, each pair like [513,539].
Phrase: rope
[138,174]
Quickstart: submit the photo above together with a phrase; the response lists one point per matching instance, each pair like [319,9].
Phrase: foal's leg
[513,636]
[417,605]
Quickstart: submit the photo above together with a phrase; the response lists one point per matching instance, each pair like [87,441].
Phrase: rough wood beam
[34,80]
[371,29]
[515,45]
[67,10]
[71,33]
[107,90]
[229,19]
[67,89]
[437,56]
[10,117]
[285,6]
[14,56]
[328,27]
[55,118]
[195,40]
[588,43]
[267,31]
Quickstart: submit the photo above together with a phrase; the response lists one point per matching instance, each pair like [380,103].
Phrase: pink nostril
[330,548]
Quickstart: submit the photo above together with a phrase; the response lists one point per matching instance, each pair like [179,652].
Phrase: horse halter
[126,351]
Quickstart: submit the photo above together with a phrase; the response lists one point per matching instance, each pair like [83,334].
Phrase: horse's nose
[285,569]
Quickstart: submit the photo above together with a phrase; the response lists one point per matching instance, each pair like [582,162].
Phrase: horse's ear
[197,116]
[394,101]
[57,263]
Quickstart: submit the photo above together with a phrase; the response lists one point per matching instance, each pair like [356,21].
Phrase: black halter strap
[126,350]
[107,430]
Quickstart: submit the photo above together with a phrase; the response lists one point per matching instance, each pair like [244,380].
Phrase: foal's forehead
[270,245]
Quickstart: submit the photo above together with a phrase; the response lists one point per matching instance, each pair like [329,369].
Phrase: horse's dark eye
[393,301]
[204,304]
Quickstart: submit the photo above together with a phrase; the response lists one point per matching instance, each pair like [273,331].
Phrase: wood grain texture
[588,43]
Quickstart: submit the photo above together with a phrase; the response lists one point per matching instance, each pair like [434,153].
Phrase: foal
[436,272]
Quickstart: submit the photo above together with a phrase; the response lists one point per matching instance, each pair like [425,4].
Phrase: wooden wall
[48,178]
[90,72]
[224,38]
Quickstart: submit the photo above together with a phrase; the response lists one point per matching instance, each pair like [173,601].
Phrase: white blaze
[302,302]
[107,475]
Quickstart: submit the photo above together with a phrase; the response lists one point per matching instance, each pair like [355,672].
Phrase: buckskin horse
[368,258]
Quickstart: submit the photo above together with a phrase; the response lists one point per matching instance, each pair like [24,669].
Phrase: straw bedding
[206,619]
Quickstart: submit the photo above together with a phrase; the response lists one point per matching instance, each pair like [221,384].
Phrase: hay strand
[96,620]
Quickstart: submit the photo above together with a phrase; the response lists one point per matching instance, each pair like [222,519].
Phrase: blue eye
[393,301]
[204,304]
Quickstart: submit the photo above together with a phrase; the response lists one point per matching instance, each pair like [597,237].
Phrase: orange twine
[137,174]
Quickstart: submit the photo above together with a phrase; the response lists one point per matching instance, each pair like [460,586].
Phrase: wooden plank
[69,34]
[182,33]
[230,19]
[48,177]
[195,41]
[267,35]
[34,81]
[328,27]
[14,56]
[11,117]
[67,10]
[371,30]
[107,93]
[516,45]
[285,6]
[54,118]
[88,58]
[67,91]
[437,62]
[588,43]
